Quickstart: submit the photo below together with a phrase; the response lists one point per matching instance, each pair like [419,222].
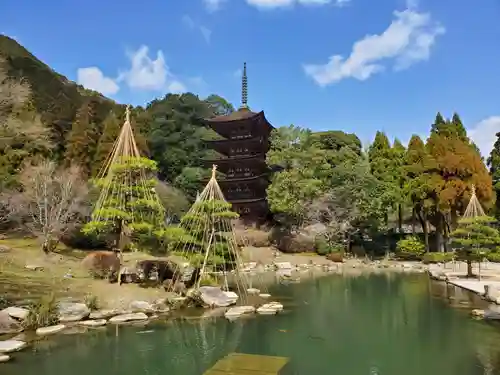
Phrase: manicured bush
[493,257]
[410,248]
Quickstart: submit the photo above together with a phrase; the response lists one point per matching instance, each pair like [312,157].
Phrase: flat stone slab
[9,346]
[237,311]
[128,317]
[103,314]
[16,312]
[475,286]
[50,330]
[4,358]
[248,364]
[93,323]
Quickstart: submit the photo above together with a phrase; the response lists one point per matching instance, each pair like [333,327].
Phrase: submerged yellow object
[248,364]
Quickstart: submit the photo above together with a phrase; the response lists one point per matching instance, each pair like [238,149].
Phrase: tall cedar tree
[82,139]
[494,164]
[457,166]
[380,156]
[417,186]
[399,172]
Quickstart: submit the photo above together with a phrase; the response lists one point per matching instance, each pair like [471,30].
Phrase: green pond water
[365,325]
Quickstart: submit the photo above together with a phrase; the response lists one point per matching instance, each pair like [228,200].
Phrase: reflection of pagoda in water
[244,148]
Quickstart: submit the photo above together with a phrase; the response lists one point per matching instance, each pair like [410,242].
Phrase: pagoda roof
[242,114]
[237,159]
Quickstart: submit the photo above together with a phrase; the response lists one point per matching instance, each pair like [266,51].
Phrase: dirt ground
[62,274]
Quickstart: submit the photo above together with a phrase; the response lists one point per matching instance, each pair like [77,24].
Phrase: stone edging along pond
[76,314]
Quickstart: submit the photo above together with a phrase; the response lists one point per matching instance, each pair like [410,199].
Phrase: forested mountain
[325,177]
[83,124]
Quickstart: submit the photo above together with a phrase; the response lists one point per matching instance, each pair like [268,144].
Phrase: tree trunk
[400,218]
[413,221]
[422,217]
[469,268]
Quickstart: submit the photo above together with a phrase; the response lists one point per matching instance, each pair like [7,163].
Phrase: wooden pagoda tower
[243,158]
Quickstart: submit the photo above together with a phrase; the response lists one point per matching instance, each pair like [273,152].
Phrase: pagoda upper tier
[241,124]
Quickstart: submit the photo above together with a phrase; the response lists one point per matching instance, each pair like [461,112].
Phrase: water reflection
[370,324]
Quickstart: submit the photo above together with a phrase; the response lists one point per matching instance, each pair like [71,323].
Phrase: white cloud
[146,73]
[406,41]
[93,79]
[176,87]
[270,4]
[191,24]
[484,134]
[213,5]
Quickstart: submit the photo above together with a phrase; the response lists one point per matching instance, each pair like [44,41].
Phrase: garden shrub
[410,248]
[438,257]
[493,257]
[43,313]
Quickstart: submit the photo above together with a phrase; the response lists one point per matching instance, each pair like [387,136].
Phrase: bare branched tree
[52,200]
[336,214]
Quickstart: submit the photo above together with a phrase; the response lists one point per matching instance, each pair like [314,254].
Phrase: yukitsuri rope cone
[474,208]
[208,241]
[128,204]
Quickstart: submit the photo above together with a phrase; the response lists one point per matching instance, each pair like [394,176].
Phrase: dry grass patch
[61,273]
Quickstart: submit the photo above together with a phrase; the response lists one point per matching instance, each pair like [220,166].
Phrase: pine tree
[208,224]
[474,238]
[494,165]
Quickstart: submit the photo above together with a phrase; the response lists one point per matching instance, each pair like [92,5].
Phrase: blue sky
[355,65]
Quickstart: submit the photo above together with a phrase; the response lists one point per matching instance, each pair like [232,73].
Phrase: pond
[365,325]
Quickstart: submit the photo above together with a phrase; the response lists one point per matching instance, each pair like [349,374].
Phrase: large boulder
[213,296]
[102,264]
[72,312]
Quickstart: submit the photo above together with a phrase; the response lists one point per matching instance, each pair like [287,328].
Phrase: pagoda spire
[244,88]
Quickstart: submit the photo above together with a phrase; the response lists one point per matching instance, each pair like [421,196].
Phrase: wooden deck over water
[248,364]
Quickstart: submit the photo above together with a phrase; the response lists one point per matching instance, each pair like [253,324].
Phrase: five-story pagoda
[243,160]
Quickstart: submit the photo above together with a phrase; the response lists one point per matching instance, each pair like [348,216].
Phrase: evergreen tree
[399,173]
[82,139]
[447,128]
[208,225]
[494,165]
[475,238]
[457,166]
[112,126]
[417,185]
[128,204]
[380,156]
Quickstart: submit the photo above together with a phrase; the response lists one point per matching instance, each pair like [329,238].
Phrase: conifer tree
[474,238]
[82,139]
[494,165]
[457,166]
[208,224]
[417,184]
[399,173]
[109,135]
[380,156]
